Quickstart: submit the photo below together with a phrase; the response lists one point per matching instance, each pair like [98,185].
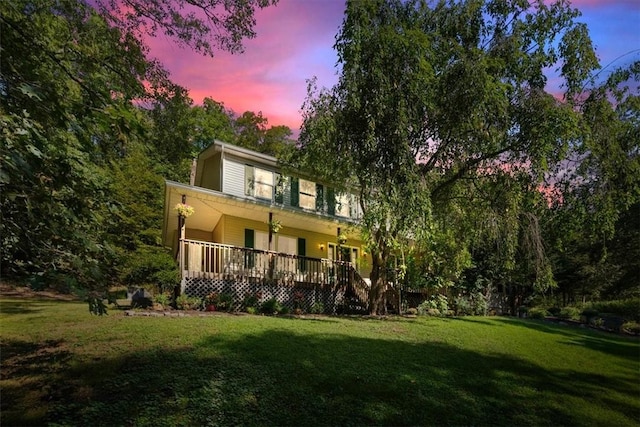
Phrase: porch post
[181,231]
[270,230]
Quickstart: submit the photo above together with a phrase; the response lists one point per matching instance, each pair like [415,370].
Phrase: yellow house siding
[234,235]
[218,231]
[202,235]
[234,229]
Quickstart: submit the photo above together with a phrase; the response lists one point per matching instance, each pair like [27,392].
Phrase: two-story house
[257,230]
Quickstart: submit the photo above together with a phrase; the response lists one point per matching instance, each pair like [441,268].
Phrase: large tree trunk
[378,282]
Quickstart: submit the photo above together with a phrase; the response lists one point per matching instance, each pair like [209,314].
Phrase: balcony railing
[217,261]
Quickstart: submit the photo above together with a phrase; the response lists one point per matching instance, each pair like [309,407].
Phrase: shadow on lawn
[20,307]
[279,377]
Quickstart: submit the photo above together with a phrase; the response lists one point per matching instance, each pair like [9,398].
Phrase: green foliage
[570,313]
[271,306]
[151,265]
[435,306]
[466,100]
[631,328]
[185,302]
[537,313]
[250,301]
[474,304]
[629,309]
[317,308]
[163,299]
[97,306]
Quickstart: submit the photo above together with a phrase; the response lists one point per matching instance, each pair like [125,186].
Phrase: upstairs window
[259,183]
[307,198]
[344,204]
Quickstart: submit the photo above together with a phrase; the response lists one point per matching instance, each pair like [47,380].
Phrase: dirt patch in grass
[11,290]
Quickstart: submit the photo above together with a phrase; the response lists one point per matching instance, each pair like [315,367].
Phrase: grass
[62,366]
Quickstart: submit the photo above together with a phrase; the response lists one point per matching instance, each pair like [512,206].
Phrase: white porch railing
[217,261]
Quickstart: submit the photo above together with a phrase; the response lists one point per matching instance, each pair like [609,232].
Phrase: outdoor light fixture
[321,248]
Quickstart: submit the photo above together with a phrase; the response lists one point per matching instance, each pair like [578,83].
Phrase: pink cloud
[295,41]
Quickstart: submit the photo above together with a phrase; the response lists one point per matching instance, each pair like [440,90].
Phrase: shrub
[629,309]
[554,311]
[411,311]
[163,299]
[538,313]
[184,302]
[569,313]
[225,302]
[271,306]
[631,328]
[479,304]
[151,265]
[317,308]
[436,302]
[117,292]
[252,310]
[250,301]
[462,306]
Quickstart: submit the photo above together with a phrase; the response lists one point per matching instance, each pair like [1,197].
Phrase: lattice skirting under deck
[301,295]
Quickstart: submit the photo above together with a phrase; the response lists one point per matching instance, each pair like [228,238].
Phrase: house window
[307,198]
[263,184]
[259,182]
[287,245]
[261,241]
[343,205]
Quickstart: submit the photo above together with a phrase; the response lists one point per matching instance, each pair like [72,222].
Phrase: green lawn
[60,365]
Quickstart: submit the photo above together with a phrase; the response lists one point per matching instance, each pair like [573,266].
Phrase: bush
[225,302]
[163,299]
[462,306]
[411,311]
[569,313]
[116,293]
[629,309]
[271,306]
[538,313]
[251,301]
[437,303]
[151,265]
[631,328]
[184,302]
[554,311]
[317,308]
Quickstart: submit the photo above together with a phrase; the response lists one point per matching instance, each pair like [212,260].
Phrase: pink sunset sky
[295,40]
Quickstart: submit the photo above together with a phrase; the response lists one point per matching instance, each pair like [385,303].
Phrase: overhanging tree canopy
[432,96]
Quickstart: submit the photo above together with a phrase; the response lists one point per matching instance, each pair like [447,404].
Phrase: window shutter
[249,180]
[319,198]
[249,242]
[331,201]
[249,238]
[295,192]
[279,198]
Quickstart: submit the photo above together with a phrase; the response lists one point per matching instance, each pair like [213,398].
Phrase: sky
[295,41]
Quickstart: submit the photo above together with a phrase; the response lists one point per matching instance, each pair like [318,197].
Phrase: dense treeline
[515,190]
[83,163]
[471,175]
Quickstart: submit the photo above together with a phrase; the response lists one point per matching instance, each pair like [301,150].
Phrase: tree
[71,73]
[431,97]
[203,25]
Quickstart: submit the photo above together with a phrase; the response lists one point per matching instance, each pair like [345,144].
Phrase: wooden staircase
[356,295]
